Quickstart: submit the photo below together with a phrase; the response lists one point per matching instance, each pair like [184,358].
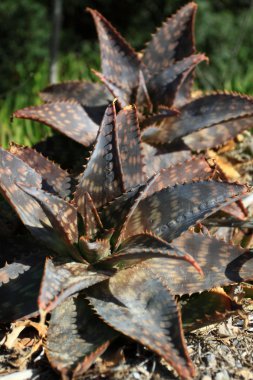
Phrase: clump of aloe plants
[159,81]
[118,251]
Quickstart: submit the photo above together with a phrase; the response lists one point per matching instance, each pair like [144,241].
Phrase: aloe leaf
[91,220]
[55,177]
[156,158]
[194,169]
[143,247]
[61,281]
[67,117]
[62,215]
[217,135]
[76,337]
[20,276]
[113,214]
[207,308]
[129,142]
[173,40]
[222,264]
[102,178]
[13,171]
[120,63]
[208,111]
[163,86]
[85,92]
[139,306]
[124,96]
[172,210]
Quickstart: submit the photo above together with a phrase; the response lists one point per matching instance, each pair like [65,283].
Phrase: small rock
[222,375]
[206,377]
[210,360]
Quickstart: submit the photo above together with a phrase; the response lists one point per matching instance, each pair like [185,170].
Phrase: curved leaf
[86,93]
[102,177]
[204,112]
[207,308]
[140,307]
[129,142]
[217,135]
[173,210]
[76,337]
[163,86]
[222,264]
[120,63]
[67,117]
[172,41]
[142,247]
[62,215]
[13,171]
[61,281]
[56,177]
[21,277]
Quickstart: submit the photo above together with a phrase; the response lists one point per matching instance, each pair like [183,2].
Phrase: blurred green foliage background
[224,30]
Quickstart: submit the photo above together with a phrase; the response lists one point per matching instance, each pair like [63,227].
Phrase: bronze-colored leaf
[91,220]
[222,264]
[206,308]
[113,214]
[184,92]
[205,112]
[124,97]
[129,142]
[56,177]
[155,118]
[102,178]
[173,210]
[67,117]
[20,278]
[172,41]
[139,306]
[143,247]
[195,168]
[11,272]
[62,215]
[76,337]
[85,92]
[157,158]
[163,86]
[120,63]
[217,135]
[61,281]
[13,171]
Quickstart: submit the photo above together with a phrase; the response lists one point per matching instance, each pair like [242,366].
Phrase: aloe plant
[159,80]
[118,250]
